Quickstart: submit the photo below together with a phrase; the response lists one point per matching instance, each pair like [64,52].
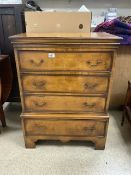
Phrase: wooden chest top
[100,37]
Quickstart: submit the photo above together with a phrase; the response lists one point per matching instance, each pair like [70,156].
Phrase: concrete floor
[55,158]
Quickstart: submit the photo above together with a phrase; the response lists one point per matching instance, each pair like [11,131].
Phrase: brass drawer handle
[87,129]
[41,128]
[90,86]
[39,84]
[98,62]
[90,105]
[39,104]
[36,63]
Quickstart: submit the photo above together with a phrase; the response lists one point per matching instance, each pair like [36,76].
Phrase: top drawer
[42,61]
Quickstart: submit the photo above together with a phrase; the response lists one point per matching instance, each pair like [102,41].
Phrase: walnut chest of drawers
[65,82]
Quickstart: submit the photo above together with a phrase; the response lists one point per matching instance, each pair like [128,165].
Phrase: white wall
[98,7]
[10,1]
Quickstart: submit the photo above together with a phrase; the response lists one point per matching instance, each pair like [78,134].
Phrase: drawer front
[65,127]
[39,61]
[61,103]
[65,83]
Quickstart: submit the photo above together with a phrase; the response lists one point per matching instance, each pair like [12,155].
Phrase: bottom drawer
[86,127]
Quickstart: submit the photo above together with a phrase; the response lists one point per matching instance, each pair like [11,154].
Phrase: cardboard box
[58,22]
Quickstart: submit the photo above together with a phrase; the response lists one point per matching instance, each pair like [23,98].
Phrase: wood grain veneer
[65,83]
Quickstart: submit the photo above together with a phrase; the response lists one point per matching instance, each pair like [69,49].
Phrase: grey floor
[55,158]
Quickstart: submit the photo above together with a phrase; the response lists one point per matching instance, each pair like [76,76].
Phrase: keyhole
[80,26]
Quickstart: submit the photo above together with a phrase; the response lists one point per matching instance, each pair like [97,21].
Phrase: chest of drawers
[65,82]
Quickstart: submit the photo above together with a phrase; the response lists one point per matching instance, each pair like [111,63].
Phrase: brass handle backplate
[89,129]
[90,86]
[98,62]
[90,105]
[39,84]
[37,63]
[40,104]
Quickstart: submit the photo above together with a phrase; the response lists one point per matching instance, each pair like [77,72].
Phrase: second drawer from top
[65,83]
